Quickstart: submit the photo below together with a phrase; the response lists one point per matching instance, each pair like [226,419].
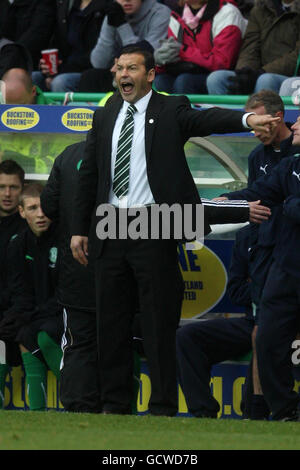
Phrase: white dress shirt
[139,192]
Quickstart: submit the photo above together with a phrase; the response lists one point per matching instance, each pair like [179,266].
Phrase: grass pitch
[27,430]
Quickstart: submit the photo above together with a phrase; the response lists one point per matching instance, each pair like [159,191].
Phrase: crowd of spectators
[200,46]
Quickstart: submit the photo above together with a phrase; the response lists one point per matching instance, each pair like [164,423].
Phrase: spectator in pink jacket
[205,36]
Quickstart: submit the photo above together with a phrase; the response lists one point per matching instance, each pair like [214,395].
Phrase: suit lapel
[151,121]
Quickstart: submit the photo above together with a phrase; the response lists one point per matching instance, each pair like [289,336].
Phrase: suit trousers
[144,275]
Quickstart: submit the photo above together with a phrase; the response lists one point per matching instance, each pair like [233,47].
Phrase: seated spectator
[28,22]
[127,22]
[203,343]
[204,37]
[11,223]
[34,320]
[19,89]
[269,52]
[77,28]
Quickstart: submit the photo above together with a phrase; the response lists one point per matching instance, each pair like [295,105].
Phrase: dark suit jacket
[170,122]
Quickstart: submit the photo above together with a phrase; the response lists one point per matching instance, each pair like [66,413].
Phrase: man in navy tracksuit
[201,344]
[280,302]
[273,148]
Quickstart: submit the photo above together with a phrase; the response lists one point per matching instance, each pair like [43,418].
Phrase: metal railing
[194,99]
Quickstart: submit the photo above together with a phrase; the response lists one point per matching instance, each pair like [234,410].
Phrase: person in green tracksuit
[34,319]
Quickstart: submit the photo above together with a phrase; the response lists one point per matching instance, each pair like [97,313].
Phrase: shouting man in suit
[152,171]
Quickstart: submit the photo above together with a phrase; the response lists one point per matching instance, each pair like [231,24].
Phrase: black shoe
[259,408]
[116,411]
[205,414]
[291,416]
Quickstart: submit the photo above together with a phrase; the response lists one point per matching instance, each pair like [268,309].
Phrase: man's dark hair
[146,52]
[267,98]
[10,167]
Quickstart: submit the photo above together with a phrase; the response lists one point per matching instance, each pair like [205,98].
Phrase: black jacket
[29,22]
[10,226]
[76,283]
[34,274]
[88,33]
[170,122]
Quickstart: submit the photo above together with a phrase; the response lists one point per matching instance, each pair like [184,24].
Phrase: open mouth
[127,87]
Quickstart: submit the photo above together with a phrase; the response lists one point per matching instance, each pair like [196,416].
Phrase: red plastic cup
[50,56]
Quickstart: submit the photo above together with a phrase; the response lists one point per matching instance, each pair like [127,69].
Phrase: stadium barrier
[218,100]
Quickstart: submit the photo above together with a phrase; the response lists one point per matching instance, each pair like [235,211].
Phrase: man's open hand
[258,213]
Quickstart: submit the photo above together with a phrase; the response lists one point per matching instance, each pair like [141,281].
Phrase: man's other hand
[79,248]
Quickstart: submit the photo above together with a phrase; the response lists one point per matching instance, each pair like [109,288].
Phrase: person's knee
[183,338]
[217,82]
[269,81]
[65,82]
[38,79]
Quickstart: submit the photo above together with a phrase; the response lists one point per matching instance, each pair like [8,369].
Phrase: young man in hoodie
[127,22]
[34,318]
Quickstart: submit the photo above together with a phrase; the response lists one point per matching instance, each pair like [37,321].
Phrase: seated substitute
[34,319]
[11,223]
[203,343]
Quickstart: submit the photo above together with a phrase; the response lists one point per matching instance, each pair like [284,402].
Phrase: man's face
[130,7]
[32,212]
[132,79]
[270,137]
[10,190]
[296,132]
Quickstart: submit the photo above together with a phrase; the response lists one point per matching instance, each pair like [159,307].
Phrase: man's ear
[33,94]
[151,75]
[21,211]
[279,114]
